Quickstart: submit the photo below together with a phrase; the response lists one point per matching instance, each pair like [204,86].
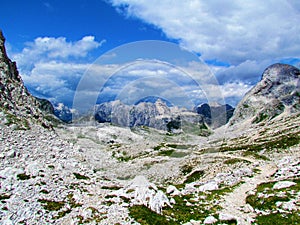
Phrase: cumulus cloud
[247,36]
[48,65]
[52,48]
[248,72]
[233,92]
[231,31]
[54,80]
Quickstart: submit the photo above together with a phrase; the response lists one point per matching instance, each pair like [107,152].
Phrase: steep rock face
[157,115]
[225,111]
[278,91]
[17,106]
[45,105]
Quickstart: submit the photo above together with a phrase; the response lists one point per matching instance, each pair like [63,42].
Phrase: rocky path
[235,202]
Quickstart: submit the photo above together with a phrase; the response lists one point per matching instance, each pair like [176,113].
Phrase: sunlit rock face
[215,114]
[18,106]
[277,92]
[157,115]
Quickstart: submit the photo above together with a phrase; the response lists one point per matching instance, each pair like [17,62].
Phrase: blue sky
[24,21]
[54,42]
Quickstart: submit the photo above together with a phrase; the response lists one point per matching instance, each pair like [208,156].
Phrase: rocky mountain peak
[222,113]
[157,115]
[2,47]
[278,80]
[18,107]
[278,91]
[280,72]
[161,107]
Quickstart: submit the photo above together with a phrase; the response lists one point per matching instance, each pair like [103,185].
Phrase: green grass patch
[146,216]
[158,147]
[187,207]
[4,196]
[278,218]
[72,202]
[186,169]
[261,117]
[234,161]
[23,176]
[216,194]
[196,175]
[81,136]
[179,154]
[172,146]
[124,158]
[279,142]
[166,152]
[267,202]
[80,176]
[62,214]
[43,191]
[114,188]
[22,123]
[255,155]
[179,146]
[51,205]
[96,217]
[181,212]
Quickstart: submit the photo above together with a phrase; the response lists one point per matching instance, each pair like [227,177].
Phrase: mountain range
[161,116]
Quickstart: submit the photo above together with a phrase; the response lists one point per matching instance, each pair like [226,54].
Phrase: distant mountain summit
[222,113]
[17,106]
[276,93]
[157,115]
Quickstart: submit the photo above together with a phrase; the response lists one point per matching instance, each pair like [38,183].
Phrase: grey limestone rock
[210,220]
[19,106]
[157,115]
[278,90]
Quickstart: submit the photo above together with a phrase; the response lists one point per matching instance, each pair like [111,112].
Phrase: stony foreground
[112,175]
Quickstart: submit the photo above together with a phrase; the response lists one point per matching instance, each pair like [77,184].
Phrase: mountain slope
[278,91]
[208,110]
[157,115]
[17,106]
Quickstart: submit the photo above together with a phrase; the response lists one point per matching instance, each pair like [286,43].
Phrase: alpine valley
[151,163]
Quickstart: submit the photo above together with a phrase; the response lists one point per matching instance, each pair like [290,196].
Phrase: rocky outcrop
[223,113]
[157,115]
[45,105]
[142,192]
[277,92]
[17,106]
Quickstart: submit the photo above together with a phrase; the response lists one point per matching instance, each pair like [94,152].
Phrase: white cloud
[231,31]
[48,65]
[236,89]
[53,75]
[50,48]
[249,35]
[248,72]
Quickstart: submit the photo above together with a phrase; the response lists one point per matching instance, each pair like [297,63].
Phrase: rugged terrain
[246,172]
[160,116]
[17,104]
